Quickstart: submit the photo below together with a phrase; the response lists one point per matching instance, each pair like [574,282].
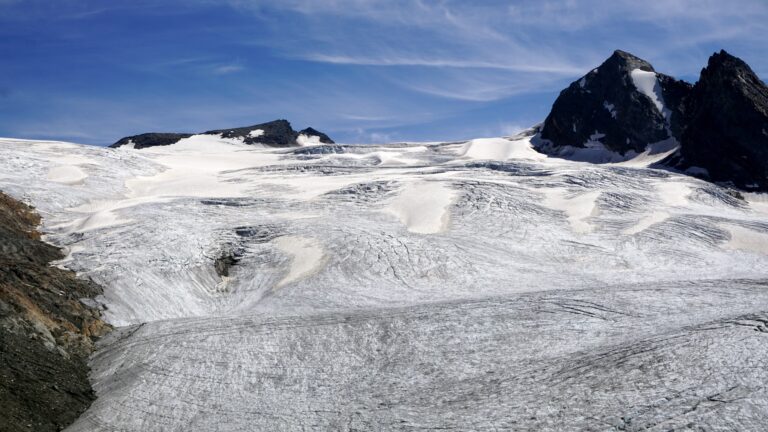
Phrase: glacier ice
[470,285]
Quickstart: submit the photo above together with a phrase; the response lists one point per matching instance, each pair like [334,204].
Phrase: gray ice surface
[464,286]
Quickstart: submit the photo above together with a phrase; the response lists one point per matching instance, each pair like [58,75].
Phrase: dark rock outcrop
[726,125]
[277,133]
[606,106]
[151,139]
[46,331]
[314,132]
[720,123]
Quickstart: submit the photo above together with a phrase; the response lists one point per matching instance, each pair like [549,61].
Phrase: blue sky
[361,70]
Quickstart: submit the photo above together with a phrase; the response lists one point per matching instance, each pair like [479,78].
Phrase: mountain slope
[46,331]
[716,129]
[623,105]
[277,133]
[726,125]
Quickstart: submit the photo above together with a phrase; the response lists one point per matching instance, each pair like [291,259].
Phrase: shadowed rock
[606,106]
[151,139]
[726,131]
[46,331]
[277,133]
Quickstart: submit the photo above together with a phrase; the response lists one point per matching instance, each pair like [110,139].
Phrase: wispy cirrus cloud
[362,70]
[227,69]
[443,63]
[531,40]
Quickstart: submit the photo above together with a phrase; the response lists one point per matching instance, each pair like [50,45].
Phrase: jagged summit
[277,133]
[314,132]
[726,70]
[726,125]
[622,105]
[627,61]
[720,124]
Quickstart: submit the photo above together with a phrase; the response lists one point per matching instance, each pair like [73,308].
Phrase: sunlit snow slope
[476,285]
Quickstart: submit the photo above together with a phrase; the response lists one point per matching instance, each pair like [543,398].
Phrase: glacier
[474,285]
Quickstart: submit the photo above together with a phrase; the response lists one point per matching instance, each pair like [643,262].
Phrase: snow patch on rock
[256,133]
[647,83]
[611,108]
[308,140]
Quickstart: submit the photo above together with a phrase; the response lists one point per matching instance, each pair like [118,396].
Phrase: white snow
[611,108]
[757,201]
[745,239]
[68,168]
[500,149]
[646,222]
[423,206]
[67,174]
[583,81]
[308,140]
[647,83]
[256,133]
[594,140]
[652,154]
[578,208]
[673,193]
[306,257]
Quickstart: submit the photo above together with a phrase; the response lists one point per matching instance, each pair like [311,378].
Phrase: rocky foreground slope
[46,331]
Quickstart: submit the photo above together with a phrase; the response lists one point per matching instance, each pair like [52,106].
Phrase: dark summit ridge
[151,139]
[606,106]
[277,133]
[720,124]
[314,132]
[726,125]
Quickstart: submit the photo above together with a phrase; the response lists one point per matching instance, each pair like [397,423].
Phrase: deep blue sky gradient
[361,70]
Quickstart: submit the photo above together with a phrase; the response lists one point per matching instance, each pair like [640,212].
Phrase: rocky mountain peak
[276,133]
[727,71]
[726,125]
[626,62]
[622,105]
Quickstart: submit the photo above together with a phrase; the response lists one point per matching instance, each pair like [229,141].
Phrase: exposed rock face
[726,125]
[314,132]
[46,331]
[151,139]
[277,133]
[623,105]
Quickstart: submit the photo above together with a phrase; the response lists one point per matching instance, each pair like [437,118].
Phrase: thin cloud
[364,118]
[443,63]
[227,69]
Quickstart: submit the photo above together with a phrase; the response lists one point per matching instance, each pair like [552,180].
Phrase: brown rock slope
[46,332]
